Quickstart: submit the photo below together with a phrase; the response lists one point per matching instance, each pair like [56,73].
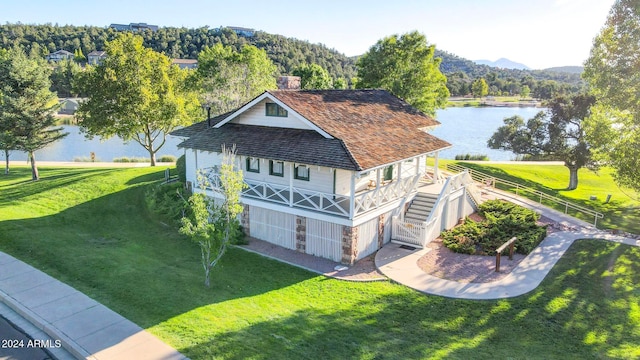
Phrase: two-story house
[60,55]
[327,171]
[96,57]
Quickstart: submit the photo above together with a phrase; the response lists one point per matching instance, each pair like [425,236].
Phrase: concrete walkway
[83,327]
[401,265]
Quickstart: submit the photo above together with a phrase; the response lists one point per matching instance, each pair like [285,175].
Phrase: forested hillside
[179,43]
[286,53]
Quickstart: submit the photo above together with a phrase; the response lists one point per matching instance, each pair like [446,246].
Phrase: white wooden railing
[333,204]
[520,190]
[392,191]
[421,233]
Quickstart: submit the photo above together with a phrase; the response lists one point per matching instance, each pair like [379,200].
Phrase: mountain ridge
[503,63]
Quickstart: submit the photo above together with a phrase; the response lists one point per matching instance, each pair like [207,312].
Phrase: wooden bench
[510,244]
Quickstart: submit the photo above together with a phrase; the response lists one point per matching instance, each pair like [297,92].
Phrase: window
[302,172]
[273,109]
[388,173]
[253,164]
[276,168]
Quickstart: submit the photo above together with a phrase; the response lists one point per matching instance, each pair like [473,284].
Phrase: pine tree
[27,105]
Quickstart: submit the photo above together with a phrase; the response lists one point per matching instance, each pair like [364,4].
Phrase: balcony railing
[332,204]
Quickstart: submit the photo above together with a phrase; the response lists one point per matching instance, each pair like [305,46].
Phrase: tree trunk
[152,156]
[573,178]
[34,168]
[207,270]
[6,159]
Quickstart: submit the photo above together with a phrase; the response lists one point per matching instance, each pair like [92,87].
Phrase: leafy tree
[405,66]
[612,72]
[27,106]
[136,94]
[212,227]
[480,88]
[62,78]
[558,134]
[340,84]
[78,56]
[229,78]
[525,92]
[313,77]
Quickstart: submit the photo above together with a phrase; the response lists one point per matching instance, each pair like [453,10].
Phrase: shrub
[126,159]
[85,159]
[167,201]
[464,238]
[167,158]
[478,157]
[503,220]
[181,167]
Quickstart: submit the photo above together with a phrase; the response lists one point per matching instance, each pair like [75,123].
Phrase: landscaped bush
[167,158]
[477,157]
[85,159]
[181,168]
[126,159]
[502,221]
[167,201]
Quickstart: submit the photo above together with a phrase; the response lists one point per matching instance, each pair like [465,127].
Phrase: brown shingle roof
[296,145]
[370,128]
[376,127]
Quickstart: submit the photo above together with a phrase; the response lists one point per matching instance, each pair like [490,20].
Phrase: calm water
[75,145]
[467,128]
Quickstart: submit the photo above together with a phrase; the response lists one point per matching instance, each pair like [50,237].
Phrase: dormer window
[273,109]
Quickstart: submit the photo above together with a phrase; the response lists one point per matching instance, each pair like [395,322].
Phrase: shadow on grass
[584,309]
[49,179]
[112,250]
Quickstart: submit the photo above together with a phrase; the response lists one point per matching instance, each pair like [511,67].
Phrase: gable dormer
[269,113]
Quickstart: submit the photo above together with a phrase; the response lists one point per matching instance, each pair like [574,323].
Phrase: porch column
[353,195]
[291,169]
[435,168]
[417,165]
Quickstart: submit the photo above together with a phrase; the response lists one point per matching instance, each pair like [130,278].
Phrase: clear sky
[537,33]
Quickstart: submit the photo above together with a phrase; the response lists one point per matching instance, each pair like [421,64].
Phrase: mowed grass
[622,212]
[90,228]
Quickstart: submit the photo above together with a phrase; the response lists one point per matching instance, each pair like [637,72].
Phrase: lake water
[467,128]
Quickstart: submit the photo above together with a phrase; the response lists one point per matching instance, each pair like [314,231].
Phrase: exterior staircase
[420,207]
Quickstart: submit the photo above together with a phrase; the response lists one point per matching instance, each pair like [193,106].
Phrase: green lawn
[89,228]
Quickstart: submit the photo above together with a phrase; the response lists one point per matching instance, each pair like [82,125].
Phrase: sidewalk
[85,328]
[401,265]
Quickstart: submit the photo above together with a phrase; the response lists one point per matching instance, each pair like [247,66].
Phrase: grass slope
[89,228]
[621,213]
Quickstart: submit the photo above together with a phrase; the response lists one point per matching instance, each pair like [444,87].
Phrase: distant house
[134,27]
[60,55]
[331,173]
[96,57]
[69,105]
[241,31]
[185,63]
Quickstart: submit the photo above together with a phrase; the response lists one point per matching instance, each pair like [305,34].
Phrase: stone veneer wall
[301,234]
[381,220]
[349,245]
[244,220]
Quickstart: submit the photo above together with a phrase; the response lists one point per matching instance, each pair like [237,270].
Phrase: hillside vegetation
[286,53]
